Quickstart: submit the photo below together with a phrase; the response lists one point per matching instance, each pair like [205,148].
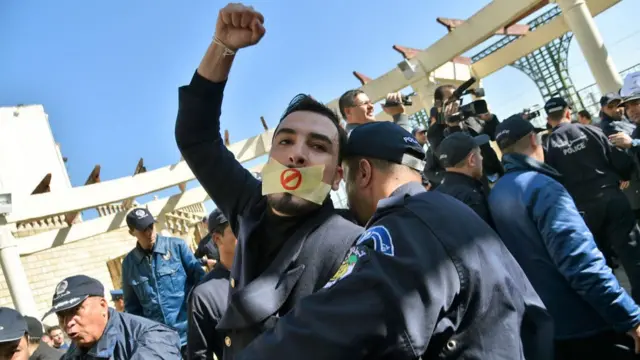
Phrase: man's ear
[335,185]
[364,173]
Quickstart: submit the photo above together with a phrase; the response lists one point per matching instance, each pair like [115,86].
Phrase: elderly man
[98,332]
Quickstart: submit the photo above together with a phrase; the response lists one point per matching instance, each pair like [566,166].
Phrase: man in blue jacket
[158,274]
[538,221]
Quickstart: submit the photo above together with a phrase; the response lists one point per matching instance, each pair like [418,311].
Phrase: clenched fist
[239,26]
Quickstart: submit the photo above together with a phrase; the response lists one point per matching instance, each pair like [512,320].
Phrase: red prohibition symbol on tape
[291,179]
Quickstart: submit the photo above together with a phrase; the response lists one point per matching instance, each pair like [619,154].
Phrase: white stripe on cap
[413,162]
[557,108]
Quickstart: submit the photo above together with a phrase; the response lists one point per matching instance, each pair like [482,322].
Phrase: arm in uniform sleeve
[157,342]
[197,132]
[621,162]
[432,169]
[366,306]
[576,255]
[132,304]
[192,266]
[202,340]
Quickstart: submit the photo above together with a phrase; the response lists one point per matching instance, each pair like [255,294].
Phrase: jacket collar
[519,162]
[160,247]
[103,349]
[451,177]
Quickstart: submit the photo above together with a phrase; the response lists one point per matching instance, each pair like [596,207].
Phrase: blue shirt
[156,283]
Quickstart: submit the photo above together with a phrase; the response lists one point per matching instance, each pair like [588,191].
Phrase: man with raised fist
[290,238]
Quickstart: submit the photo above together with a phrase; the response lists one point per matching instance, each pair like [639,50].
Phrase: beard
[291,205]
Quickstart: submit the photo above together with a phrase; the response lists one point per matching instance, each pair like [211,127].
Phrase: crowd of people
[451,248]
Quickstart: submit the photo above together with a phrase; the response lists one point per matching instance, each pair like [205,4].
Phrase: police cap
[512,129]
[455,147]
[72,291]
[555,104]
[12,325]
[116,294]
[140,219]
[385,140]
[34,327]
[608,98]
[216,218]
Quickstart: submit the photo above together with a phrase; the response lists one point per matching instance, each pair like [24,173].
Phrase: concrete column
[14,273]
[584,29]
[425,88]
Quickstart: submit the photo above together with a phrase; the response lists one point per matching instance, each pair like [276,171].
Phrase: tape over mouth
[303,182]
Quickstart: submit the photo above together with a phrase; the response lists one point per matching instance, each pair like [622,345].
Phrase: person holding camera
[357,109]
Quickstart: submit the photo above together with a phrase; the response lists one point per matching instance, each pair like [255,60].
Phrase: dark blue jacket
[417,284]
[130,337]
[156,286]
[538,221]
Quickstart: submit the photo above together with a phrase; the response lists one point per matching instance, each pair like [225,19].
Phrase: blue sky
[107,72]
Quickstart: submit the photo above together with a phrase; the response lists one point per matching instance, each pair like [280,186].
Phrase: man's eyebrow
[321,137]
[285,130]
[312,135]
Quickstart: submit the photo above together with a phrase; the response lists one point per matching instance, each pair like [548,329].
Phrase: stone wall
[89,257]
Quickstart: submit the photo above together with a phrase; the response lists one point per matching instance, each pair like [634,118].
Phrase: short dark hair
[348,99]
[557,115]
[220,228]
[53,328]
[585,114]
[439,93]
[303,102]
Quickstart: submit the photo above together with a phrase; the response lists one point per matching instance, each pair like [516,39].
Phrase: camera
[531,113]
[406,101]
[474,108]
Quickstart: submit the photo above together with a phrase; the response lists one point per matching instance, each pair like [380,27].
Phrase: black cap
[34,327]
[608,98]
[216,218]
[12,325]
[512,129]
[385,140]
[72,291]
[140,219]
[418,129]
[455,147]
[554,105]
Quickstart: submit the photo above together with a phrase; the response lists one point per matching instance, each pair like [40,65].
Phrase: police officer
[289,242]
[460,154]
[208,300]
[38,349]
[592,168]
[427,279]
[612,119]
[99,332]
[117,297]
[14,341]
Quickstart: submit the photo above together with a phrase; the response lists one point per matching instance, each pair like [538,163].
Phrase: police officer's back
[427,279]
[592,168]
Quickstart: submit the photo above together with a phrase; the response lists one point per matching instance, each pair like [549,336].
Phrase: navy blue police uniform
[207,304]
[428,279]
[453,149]
[592,168]
[279,260]
[126,336]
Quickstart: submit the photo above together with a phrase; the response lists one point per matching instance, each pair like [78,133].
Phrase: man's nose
[298,155]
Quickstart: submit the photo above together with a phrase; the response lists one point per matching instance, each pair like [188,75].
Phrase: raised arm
[197,132]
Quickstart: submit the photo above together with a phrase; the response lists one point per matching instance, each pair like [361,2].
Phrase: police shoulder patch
[346,267]
[379,239]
